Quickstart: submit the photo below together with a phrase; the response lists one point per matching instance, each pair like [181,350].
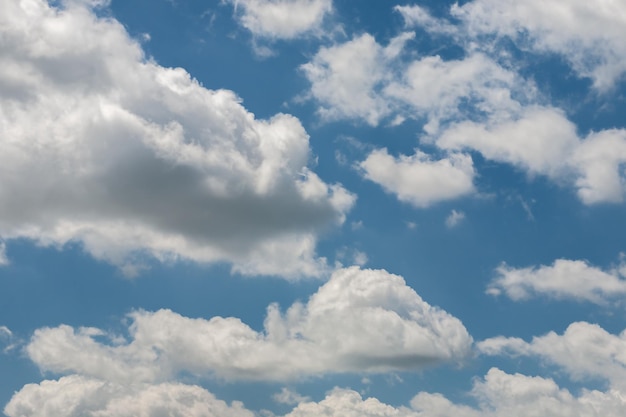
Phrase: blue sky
[312,208]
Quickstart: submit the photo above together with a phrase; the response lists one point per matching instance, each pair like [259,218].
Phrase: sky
[298,208]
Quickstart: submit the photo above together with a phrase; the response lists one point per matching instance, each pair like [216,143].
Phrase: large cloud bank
[103,146]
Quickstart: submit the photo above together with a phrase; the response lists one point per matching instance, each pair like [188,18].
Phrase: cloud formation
[363,321]
[589,35]
[418,179]
[281,19]
[583,351]
[79,396]
[105,147]
[564,279]
[498,394]
[470,104]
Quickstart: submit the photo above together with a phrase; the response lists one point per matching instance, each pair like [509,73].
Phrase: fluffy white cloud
[584,350]
[418,179]
[359,321]
[588,34]
[78,396]
[563,279]
[361,79]
[282,19]
[346,79]
[444,91]
[541,140]
[468,104]
[498,395]
[105,147]
[600,160]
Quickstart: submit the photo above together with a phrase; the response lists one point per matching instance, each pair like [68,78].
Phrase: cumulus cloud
[281,19]
[359,321]
[498,394]
[584,351]
[79,396]
[589,35]
[563,279]
[105,147]
[418,179]
[364,80]
[450,90]
[542,141]
[473,103]
[346,79]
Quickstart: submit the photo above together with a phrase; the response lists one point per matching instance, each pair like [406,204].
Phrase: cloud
[363,321]
[282,19]
[469,104]
[364,80]
[346,79]
[589,35]
[454,218]
[583,351]
[599,160]
[79,396]
[498,394]
[105,147]
[289,397]
[8,341]
[418,179]
[450,90]
[542,141]
[4,260]
[564,279]
[417,16]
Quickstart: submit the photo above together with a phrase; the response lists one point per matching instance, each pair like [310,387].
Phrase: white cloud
[588,34]
[4,260]
[540,140]
[415,15]
[418,179]
[498,394]
[454,218]
[447,91]
[289,397]
[107,148]
[346,79]
[563,279]
[365,321]
[584,350]
[79,396]
[282,19]
[600,159]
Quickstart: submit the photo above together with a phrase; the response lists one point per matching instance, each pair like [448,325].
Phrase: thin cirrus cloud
[105,147]
[360,321]
[282,19]
[564,279]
